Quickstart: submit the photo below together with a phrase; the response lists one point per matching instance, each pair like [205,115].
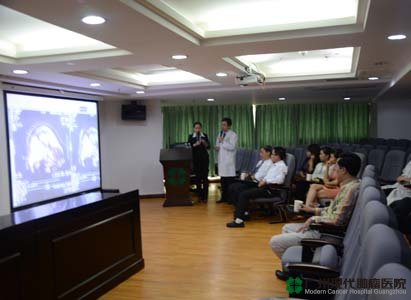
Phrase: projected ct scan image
[53,147]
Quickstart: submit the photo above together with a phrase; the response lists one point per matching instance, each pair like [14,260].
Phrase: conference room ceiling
[313,51]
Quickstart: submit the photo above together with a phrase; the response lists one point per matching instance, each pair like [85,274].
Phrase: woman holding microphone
[199,143]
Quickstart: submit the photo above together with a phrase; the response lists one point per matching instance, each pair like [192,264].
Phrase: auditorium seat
[393,165]
[302,253]
[363,158]
[252,162]
[371,256]
[394,271]
[376,158]
[299,157]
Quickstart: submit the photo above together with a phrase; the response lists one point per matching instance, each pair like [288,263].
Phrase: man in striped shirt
[338,213]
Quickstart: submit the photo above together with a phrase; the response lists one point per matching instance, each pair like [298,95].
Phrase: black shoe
[281,275]
[220,201]
[246,218]
[233,224]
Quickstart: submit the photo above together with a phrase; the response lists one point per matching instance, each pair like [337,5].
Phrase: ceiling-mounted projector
[251,77]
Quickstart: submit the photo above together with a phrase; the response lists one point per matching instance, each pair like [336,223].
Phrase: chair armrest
[312,270]
[110,191]
[316,243]
[274,186]
[328,228]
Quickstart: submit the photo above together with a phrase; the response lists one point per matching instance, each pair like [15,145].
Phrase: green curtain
[178,122]
[324,123]
[292,124]
[275,125]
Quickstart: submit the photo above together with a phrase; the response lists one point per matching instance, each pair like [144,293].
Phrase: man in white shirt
[226,146]
[259,172]
[276,175]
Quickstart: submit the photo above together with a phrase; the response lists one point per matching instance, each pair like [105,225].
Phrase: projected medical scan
[53,146]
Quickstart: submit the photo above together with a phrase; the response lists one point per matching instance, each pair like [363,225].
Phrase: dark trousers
[225,184]
[244,199]
[200,169]
[402,210]
[237,188]
[301,189]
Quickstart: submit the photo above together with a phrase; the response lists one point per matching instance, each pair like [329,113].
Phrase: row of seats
[389,142]
[369,247]
[388,165]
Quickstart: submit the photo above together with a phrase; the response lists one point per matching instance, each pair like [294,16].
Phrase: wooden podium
[177,166]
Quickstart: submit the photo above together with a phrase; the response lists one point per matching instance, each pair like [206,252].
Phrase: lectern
[177,165]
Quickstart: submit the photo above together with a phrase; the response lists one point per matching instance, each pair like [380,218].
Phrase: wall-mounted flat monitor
[53,146]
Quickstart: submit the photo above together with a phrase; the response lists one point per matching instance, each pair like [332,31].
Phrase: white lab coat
[226,154]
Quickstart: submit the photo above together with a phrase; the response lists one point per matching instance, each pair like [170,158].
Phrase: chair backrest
[290,161]
[299,155]
[363,158]
[374,213]
[361,150]
[393,165]
[369,169]
[369,147]
[396,271]
[252,162]
[374,254]
[246,160]
[239,158]
[376,158]
[408,158]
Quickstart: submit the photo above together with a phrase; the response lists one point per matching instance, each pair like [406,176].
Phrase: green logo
[294,285]
[176,176]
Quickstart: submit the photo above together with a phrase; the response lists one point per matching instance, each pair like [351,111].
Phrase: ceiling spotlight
[347,98]
[95,84]
[179,56]
[210,99]
[281,99]
[396,37]
[373,78]
[221,74]
[140,92]
[20,72]
[93,20]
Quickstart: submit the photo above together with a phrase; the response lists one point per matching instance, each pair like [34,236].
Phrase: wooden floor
[190,254]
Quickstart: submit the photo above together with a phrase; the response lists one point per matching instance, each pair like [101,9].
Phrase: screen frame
[12,208]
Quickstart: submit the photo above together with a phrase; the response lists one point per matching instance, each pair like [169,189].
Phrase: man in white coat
[226,146]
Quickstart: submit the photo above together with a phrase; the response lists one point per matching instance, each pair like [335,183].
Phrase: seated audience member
[311,160]
[399,198]
[259,172]
[276,175]
[317,175]
[338,213]
[398,191]
[330,187]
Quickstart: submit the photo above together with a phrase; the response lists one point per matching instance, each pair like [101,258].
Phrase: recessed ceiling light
[397,37]
[93,20]
[179,56]
[221,74]
[20,72]
[95,84]
[71,63]
[373,78]
[140,92]
[281,99]
[210,99]
[347,98]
